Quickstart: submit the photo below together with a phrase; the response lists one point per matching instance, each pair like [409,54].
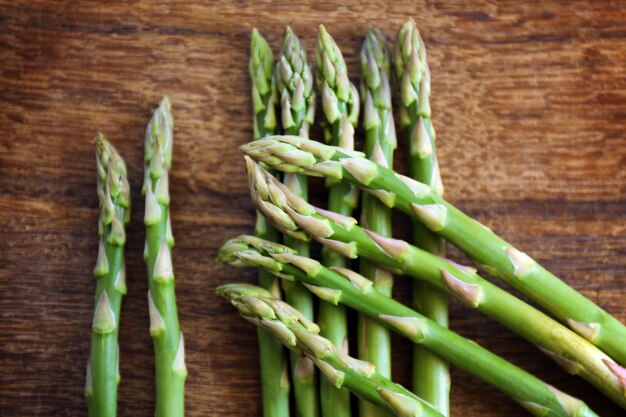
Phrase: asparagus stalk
[169,346]
[110,271]
[264,98]
[298,218]
[341,285]
[299,334]
[297,102]
[273,364]
[419,201]
[431,379]
[340,104]
[380,142]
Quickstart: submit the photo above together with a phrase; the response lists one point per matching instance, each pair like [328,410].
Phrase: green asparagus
[294,216]
[340,103]
[273,364]
[380,142]
[264,96]
[169,346]
[297,102]
[431,379]
[299,334]
[110,271]
[341,285]
[419,200]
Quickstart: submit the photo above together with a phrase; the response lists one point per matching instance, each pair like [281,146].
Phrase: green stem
[169,384]
[275,385]
[333,323]
[335,401]
[303,371]
[104,347]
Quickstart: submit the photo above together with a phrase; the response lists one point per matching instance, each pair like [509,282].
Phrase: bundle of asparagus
[583,348]
[421,202]
[291,214]
[585,341]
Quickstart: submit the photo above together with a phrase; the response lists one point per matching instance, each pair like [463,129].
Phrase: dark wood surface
[529,102]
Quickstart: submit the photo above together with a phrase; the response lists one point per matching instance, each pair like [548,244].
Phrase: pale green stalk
[298,218]
[301,335]
[114,201]
[169,346]
[341,285]
[431,379]
[294,82]
[273,362]
[340,104]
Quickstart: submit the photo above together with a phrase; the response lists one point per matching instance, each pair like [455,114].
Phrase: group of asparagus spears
[114,202]
[582,338]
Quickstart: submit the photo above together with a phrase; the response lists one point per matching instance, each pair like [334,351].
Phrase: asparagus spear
[294,216]
[299,334]
[114,200]
[169,346]
[260,68]
[419,201]
[297,101]
[431,379]
[341,285]
[380,142]
[340,103]
[273,364]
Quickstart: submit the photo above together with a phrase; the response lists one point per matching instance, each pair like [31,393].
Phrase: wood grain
[529,104]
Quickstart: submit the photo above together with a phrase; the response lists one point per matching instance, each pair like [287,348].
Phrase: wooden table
[529,102]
